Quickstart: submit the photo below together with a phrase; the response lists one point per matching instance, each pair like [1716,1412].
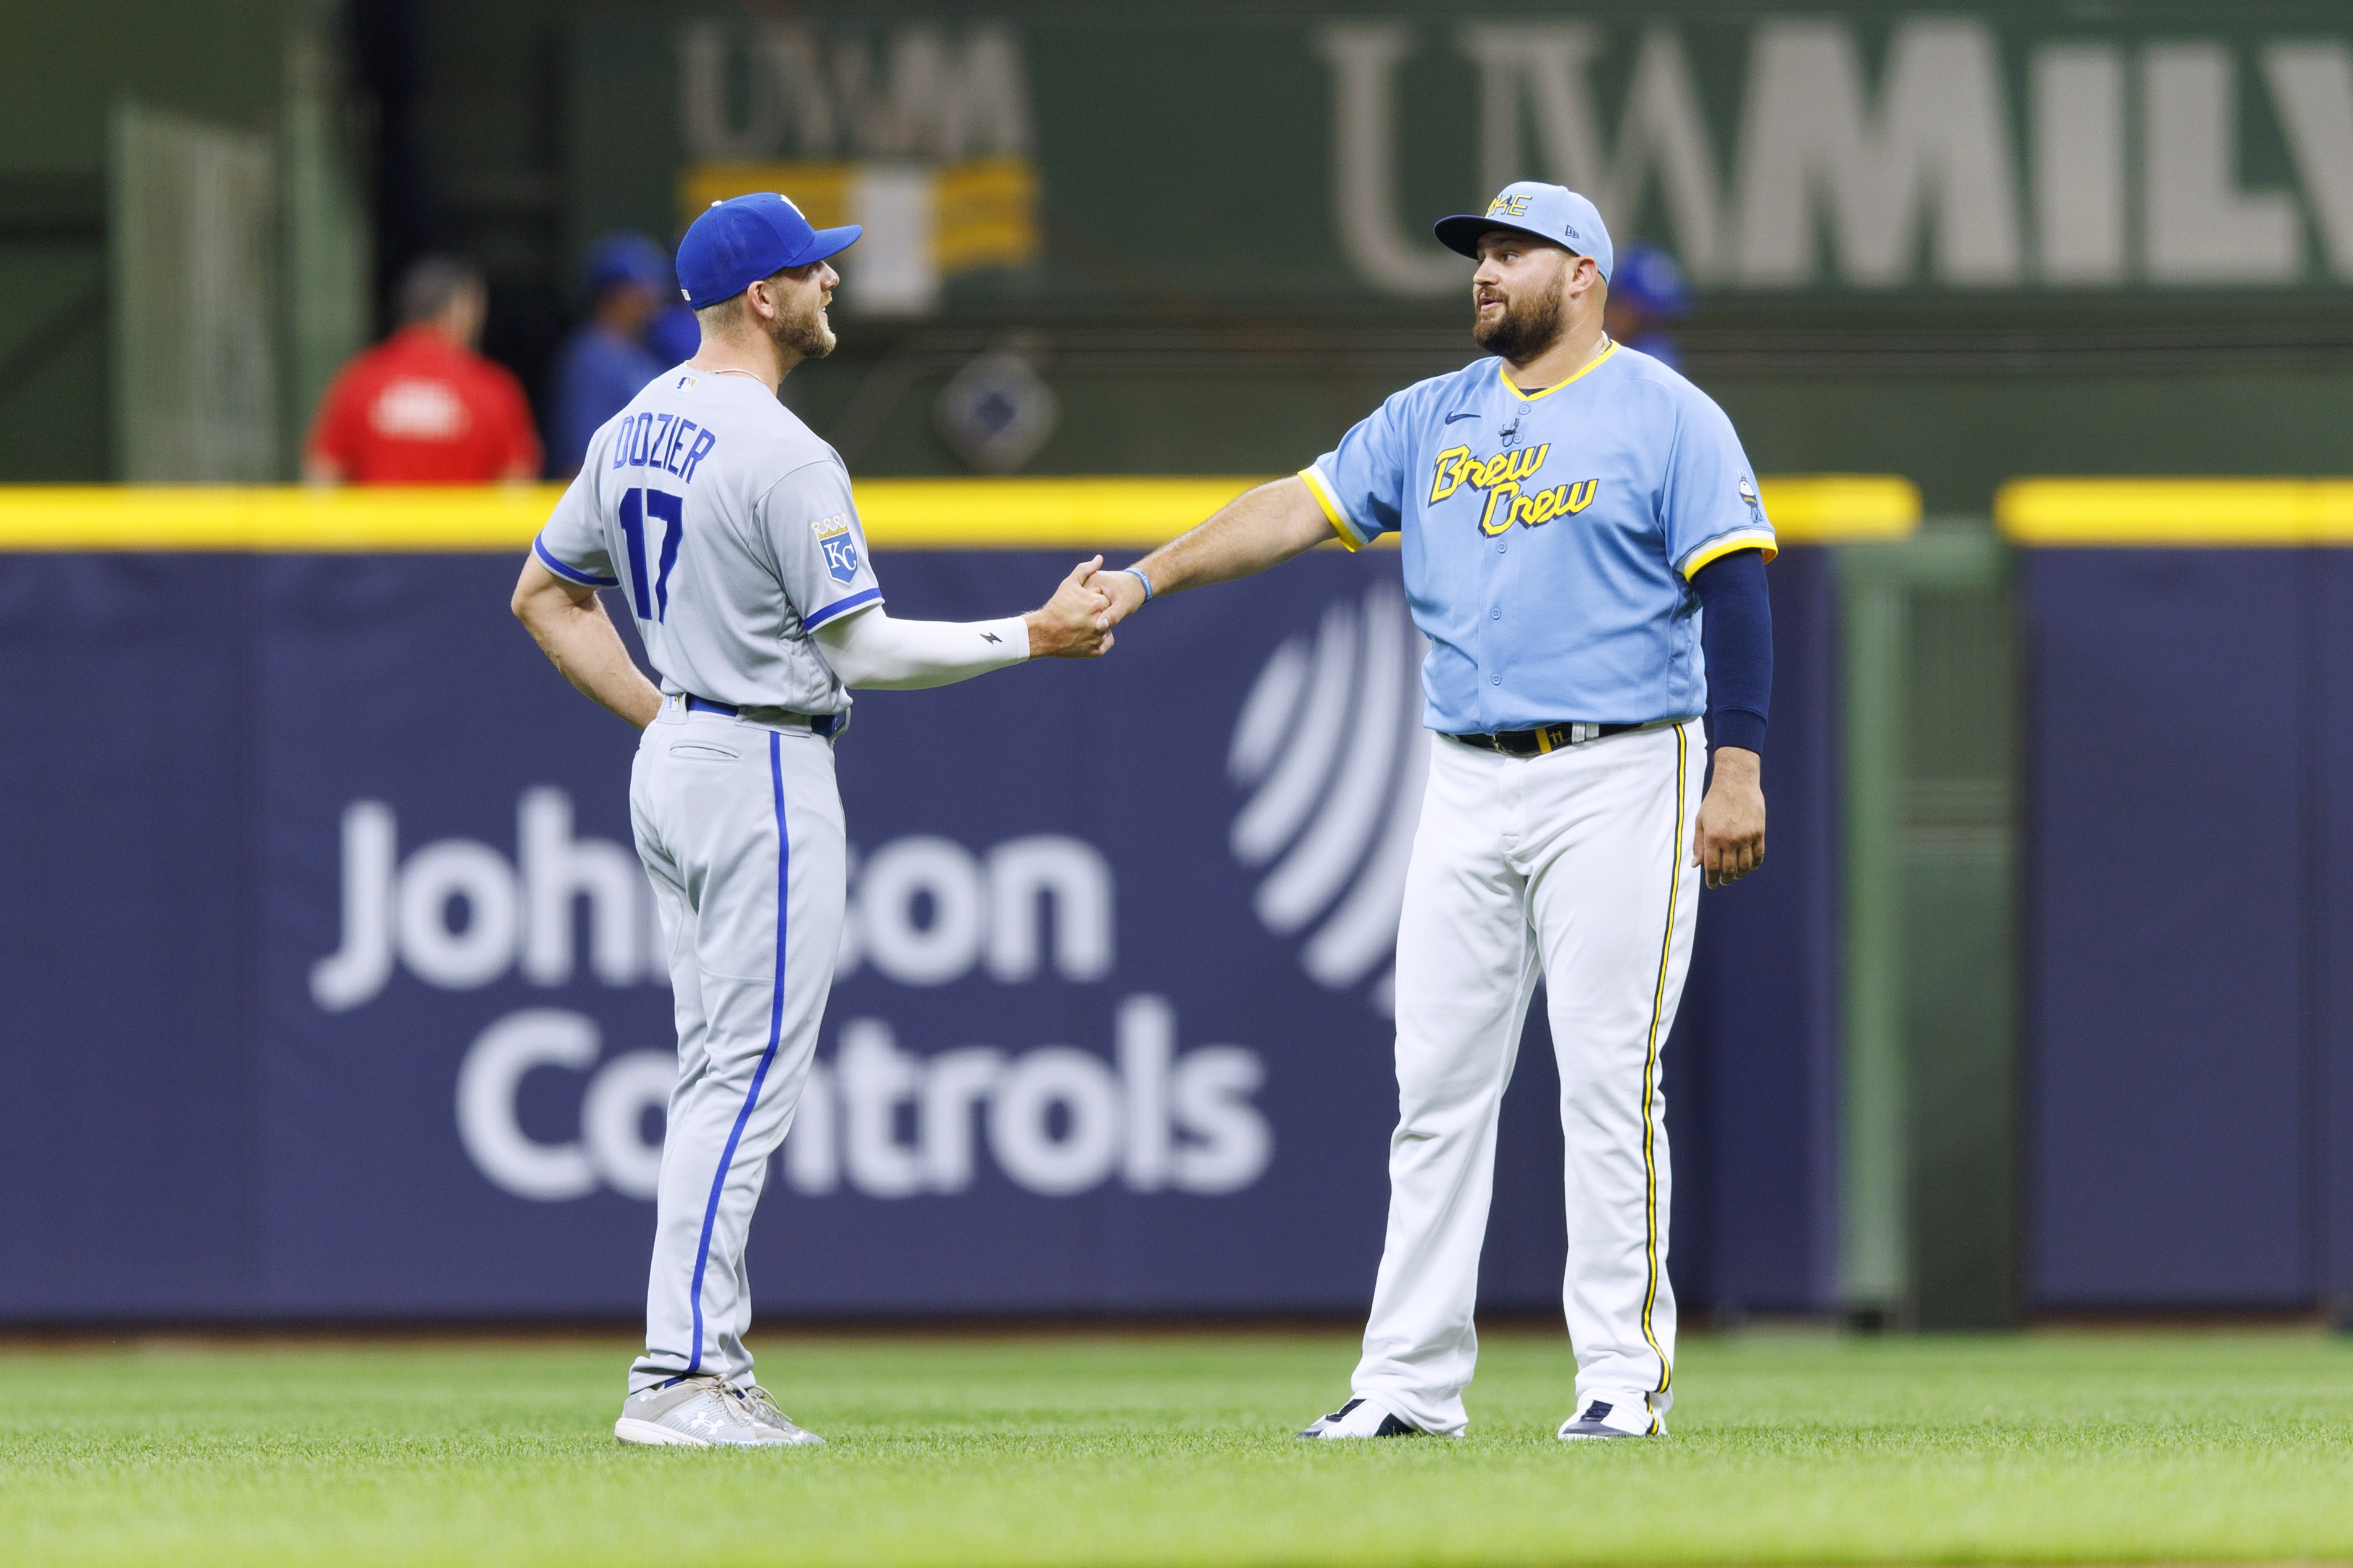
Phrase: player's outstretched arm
[569,623]
[869,649]
[1258,528]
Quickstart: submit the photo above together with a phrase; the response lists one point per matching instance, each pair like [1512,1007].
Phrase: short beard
[1522,332]
[805,335]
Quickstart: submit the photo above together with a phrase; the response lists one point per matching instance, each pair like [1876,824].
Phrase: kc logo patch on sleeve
[839,545]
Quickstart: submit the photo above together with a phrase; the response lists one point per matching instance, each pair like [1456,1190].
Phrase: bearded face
[800,327]
[1523,318]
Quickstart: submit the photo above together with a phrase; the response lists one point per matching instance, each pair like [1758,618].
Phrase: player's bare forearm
[1729,841]
[570,625]
[1258,528]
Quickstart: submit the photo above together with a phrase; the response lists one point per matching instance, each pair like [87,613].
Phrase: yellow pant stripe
[1651,1065]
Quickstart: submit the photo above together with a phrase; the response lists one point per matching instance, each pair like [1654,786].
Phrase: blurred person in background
[609,357]
[1648,291]
[675,335]
[422,407]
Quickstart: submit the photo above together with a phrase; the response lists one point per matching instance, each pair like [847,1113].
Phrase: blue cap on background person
[1549,212]
[622,256]
[1649,277]
[736,243]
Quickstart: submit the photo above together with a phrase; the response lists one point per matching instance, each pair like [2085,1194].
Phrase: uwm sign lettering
[1951,155]
[1986,150]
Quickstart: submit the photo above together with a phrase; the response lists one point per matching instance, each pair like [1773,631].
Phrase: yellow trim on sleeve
[1332,512]
[2182,514]
[1587,369]
[1731,543]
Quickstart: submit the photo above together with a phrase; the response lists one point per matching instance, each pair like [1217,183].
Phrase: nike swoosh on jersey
[1452,417]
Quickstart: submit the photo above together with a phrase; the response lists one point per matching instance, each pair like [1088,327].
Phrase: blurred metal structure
[1929,1119]
[324,230]
[192,254]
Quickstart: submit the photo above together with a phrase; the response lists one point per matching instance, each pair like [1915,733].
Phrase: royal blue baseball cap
[737,242]
[1650,278]
[621,257]
[1549,212]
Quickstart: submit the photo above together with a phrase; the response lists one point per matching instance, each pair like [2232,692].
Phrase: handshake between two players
[1569,507]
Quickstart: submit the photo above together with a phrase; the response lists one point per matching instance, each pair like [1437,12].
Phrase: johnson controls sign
[1056,1119]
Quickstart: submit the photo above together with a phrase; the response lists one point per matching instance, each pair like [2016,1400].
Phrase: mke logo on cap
[1510,206]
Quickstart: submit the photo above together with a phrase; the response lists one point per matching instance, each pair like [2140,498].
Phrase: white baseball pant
[739,828]
[1574,866]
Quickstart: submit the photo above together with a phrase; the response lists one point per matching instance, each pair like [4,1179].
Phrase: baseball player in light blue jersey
[1584,549]
[730,532]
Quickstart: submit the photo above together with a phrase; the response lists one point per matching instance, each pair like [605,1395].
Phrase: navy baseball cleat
[1627,1415]
[1359,1418]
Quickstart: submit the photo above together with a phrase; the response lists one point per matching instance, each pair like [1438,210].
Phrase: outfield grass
[1176,1449]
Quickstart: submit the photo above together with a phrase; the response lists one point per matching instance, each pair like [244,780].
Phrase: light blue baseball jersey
[1550,538]
[729,526]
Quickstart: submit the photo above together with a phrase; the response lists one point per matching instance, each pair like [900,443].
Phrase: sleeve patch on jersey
[841,557]
[837,525]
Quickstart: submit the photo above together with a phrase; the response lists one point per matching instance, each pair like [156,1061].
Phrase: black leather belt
[1551,738]
[818,724]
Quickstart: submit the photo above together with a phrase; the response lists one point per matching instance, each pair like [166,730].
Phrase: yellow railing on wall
[900,514]
[2210,513]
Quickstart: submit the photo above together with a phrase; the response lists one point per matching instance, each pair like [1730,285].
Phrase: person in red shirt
[422,407]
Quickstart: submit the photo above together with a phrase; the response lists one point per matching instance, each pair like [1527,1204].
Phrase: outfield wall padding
[2188,1083]
[286,1042]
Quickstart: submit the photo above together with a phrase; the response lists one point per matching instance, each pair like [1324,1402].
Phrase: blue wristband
[1141,578]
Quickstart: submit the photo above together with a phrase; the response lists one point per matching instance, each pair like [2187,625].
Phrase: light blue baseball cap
[1549,212]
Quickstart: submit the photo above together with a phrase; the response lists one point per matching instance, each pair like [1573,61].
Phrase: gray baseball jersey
[729,526]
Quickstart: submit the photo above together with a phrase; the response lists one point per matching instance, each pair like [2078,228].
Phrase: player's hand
[1071,624]
[1122,596]
[1729,841]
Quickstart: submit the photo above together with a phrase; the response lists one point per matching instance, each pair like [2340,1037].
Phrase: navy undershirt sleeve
[1737,635]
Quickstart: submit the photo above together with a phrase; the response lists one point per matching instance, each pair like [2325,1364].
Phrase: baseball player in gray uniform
[730,532]
[1585,547]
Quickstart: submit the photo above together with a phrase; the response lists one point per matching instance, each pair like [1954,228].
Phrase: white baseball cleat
[1613,1416]
[1360,1417]
[690,1413]
[770,1419]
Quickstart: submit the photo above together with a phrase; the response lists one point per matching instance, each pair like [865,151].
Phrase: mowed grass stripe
[1176,1449]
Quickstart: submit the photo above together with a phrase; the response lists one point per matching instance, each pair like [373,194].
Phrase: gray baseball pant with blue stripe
[739,828]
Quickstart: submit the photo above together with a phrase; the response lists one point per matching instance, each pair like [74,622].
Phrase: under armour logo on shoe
[1343,1410]
[1596,1410]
